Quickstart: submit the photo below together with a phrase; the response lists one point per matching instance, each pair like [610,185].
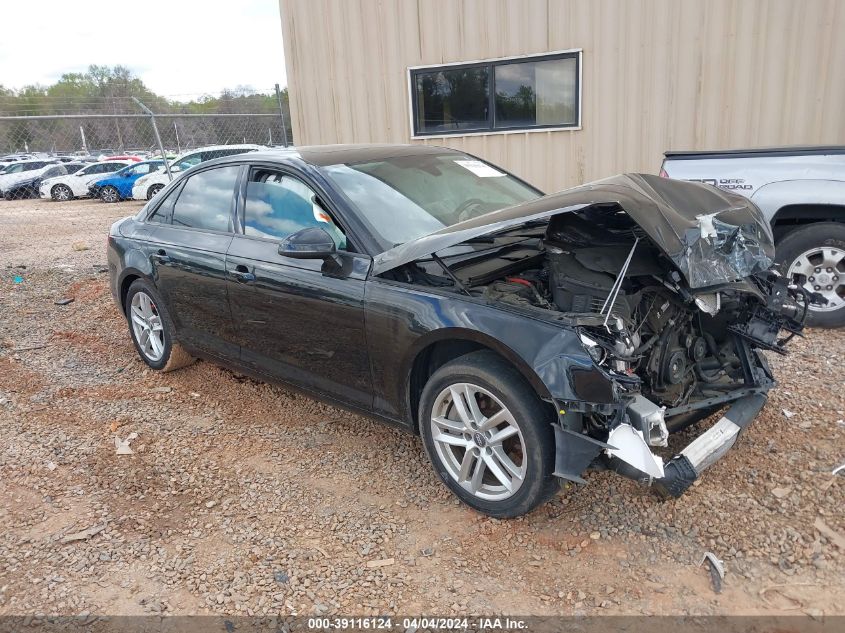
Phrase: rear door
[298,320]
[196,223]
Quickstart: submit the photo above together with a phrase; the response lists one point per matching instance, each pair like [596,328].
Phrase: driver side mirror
[174,169]
[310,243]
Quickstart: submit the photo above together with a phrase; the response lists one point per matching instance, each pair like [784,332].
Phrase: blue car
[118,186]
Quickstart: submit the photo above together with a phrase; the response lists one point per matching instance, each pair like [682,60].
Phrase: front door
[301,321]
[190,258]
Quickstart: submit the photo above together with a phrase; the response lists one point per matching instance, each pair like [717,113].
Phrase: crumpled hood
[711,235]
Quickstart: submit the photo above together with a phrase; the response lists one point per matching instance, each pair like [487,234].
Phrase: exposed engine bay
[675,312]
[638,317]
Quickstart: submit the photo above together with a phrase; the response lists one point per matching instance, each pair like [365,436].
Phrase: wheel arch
[442,346]
[792,204]
[130,273]
[792,216]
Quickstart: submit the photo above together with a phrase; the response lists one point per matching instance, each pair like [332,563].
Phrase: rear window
[206,200]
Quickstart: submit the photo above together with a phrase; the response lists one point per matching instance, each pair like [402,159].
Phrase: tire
[109,194]
[61,193]
[167,354]
[530,449]
[814,257]
[153,190]
[8,195]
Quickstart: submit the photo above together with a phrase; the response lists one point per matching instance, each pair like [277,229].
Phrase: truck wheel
[814,257]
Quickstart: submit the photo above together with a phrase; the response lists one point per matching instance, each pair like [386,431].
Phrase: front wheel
[814,257]
[153,190]
[488,435]
[61,193]
[109,194]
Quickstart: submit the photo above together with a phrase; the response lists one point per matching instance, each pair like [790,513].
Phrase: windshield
[406,197]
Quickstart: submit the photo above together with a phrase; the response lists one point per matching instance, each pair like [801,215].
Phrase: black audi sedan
[526,337]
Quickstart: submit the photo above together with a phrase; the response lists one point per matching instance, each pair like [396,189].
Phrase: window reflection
[206,199]
[278,206]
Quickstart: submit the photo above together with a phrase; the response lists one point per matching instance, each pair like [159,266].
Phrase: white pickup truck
[801,191]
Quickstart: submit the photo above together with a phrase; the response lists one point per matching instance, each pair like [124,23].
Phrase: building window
[527,93]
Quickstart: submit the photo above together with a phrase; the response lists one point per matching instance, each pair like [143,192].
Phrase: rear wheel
[814,257]
[152,329]
[153,190]
[61,193]
[488,435]
[109,194]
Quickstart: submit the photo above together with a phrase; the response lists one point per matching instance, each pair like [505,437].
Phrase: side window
[164,213]
[58,170]
[278,205]
[189,161]
[206,200]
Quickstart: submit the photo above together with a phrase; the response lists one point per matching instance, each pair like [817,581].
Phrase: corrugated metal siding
[657,74]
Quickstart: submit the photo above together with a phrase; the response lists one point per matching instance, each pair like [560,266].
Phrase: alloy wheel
[61,193]
[109,194]
[478,441]
[147,326]
[821,270]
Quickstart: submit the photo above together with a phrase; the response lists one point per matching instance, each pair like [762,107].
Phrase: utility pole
[158,136]
[282,115]
[84,144]
[178,146]
[117,127]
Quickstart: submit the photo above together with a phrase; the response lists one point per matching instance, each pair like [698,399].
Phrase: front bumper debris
[684,468]
[627,451]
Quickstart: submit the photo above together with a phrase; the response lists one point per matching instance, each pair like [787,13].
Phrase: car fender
[775,196]
[135,264]
[548,353]
[454,334]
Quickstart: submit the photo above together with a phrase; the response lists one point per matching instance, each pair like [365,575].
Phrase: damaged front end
[690,331]
[670,290]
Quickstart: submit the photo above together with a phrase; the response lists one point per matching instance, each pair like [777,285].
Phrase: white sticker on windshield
[482,170]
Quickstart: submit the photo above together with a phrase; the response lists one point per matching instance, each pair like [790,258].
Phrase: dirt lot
[243,498]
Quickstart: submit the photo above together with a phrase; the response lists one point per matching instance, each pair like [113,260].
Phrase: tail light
[663,173]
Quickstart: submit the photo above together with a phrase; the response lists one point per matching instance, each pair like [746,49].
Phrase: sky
[177,47]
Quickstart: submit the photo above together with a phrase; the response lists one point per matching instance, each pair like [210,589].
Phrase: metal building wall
[657,74]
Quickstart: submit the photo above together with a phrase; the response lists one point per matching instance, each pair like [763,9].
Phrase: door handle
[161,257]
[242,274]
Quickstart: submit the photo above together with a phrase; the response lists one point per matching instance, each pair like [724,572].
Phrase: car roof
[207,148]
[323,155]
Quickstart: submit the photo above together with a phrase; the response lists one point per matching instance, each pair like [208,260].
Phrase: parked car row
[111,179]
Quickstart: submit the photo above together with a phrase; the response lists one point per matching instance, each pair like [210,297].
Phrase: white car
[148,186]
[75,185]
[23,170]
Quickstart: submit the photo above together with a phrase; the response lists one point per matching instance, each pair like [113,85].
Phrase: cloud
[183,47]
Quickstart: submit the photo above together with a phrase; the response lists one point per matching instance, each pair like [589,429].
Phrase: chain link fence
[34,147]
[97,134]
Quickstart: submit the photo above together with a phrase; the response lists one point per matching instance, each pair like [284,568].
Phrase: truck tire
[814,257]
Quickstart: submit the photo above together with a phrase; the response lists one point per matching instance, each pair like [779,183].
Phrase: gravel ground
[243,498]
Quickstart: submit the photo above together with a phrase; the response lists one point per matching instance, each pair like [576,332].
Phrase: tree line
[108,90]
